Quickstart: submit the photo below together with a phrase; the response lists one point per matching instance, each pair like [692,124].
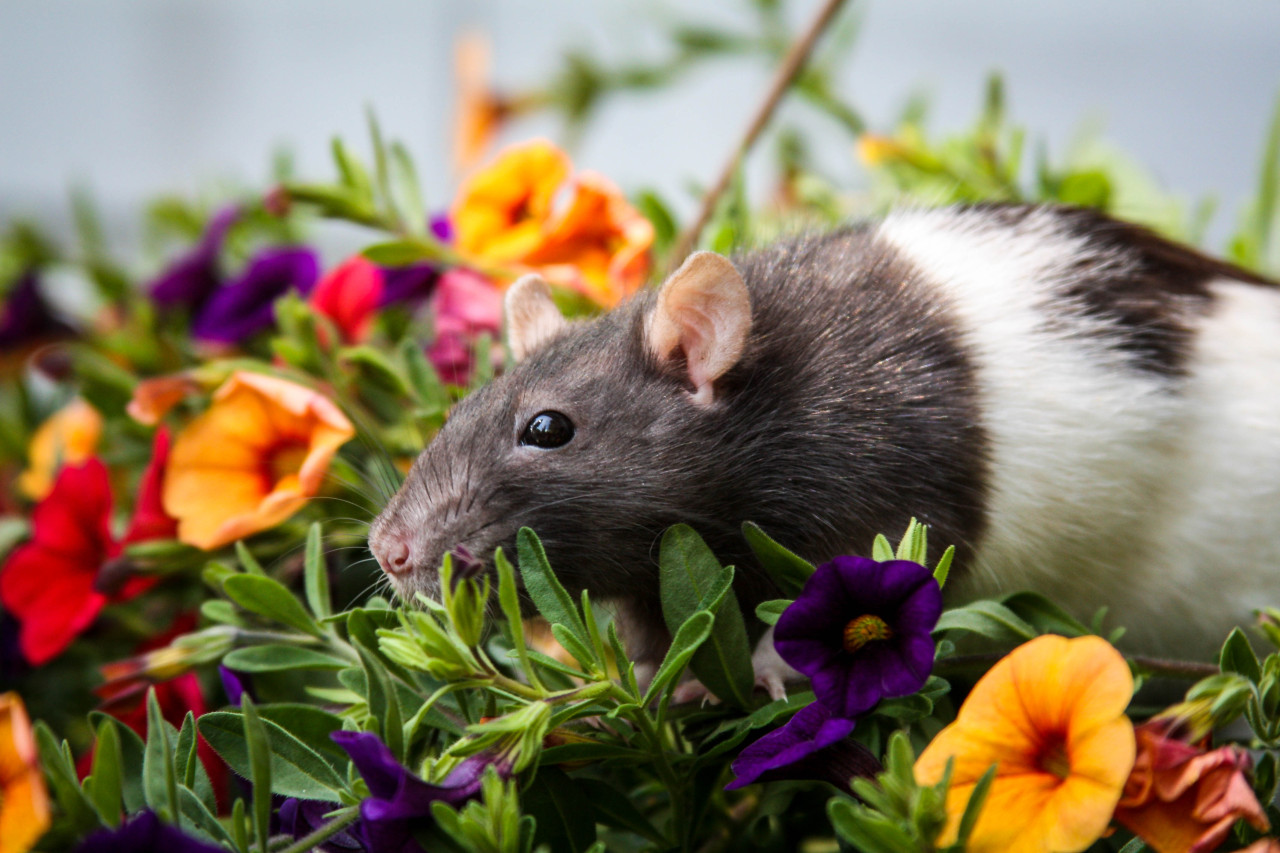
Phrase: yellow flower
[1050,716]
[875,150]
[252,460]
[24,802]
[68,437]
[506,214]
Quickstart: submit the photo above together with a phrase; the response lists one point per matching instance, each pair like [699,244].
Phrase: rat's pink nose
[393,554]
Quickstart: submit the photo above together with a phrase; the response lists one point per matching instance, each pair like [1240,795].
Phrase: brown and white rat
[1083,408]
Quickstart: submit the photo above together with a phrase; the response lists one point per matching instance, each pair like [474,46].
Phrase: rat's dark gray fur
[852,408]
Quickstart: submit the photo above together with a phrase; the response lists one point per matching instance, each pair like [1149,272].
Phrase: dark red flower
[48,583]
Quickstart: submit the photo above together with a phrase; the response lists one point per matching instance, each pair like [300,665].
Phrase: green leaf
[973,807]
[866,831]
[270,598]
[399,253]
[376,369]
[274,657]
[404,179]
[613,808]
[544,588]
[309,724]
[159,778]
[1238,656]
[258,759]
[1044,615]
[201,816]
[692,580]
[556,802]
[769,612]
[190,770]
[943,569]
[580,651]
[989,619]
[250,562]
[423,379]
[105,785]
[316,575]
[78,811]
[218,610]
[787,570]
[295,769]
[881,550]
[686,641]
[132,749]
[509,600]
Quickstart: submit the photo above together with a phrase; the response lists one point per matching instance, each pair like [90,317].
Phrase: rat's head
[598,438]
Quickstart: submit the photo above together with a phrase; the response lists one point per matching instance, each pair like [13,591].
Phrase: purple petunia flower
[234,684]
[25,316]
[246,305]
[861,631]
[796,747]
[400,801]
[300,818]
[193,278]
[144,833]
[407,284]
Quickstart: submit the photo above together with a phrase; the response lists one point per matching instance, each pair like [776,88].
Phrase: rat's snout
[393,549]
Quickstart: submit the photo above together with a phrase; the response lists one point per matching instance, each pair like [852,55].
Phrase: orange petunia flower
[252,460]
[480,111]
[506,214]
[68,437]
[24,801]
[1050,716]
[153,398]
[1181,798]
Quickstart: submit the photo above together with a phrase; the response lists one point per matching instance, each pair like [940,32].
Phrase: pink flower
[465,305]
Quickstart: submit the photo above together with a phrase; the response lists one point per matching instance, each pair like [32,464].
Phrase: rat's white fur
[1157,496]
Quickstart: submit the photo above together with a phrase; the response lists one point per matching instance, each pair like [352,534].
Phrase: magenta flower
[400,801]
[246,305]
[465,305]
[861,631]
[144,833]
[193,278]
[812,745]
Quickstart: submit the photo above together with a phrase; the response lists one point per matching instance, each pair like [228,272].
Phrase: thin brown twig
[792,64]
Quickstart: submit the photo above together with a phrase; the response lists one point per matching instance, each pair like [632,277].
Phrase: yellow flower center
[284,459]
[863,630]
[1054,759]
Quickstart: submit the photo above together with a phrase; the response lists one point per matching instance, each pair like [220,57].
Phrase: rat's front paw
[772,672]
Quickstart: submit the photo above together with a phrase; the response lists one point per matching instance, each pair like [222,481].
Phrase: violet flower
[400,801]
[25,316]
[812,730]
[861,631]
[300,818]
[407,284]
[235,685]
[144,833]
[192,279]
[246,305]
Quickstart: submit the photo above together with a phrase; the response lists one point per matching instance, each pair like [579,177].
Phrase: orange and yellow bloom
[595,243]
[252,460]
[1050,716]
[68,437]
[24,802]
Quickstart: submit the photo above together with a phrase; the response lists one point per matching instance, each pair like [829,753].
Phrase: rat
[1080,406]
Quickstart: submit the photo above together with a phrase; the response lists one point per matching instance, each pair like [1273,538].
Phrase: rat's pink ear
[704,313]
[532,318]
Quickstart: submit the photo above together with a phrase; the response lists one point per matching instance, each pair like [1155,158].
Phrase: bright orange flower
[1050,716]
[68,437]
[1181,798]
[24,802]
[506,214]
[480,111]
[252,460]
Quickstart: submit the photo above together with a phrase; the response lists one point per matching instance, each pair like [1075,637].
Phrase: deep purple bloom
[144,833]
[407,284]
[246,305]
[300,818]
[25,316]
[400,801]
[811,730]
[193,278]
[861,631]
[234,684]
[442,227]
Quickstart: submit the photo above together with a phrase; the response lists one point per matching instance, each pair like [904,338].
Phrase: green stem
[673,783]
[324,833]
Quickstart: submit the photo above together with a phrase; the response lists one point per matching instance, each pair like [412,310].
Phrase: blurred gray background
[131,99]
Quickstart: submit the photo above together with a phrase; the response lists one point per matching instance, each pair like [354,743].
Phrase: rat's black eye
[547,430]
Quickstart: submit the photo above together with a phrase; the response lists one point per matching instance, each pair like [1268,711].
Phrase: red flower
[349,294]
[51,583]
[150,521]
